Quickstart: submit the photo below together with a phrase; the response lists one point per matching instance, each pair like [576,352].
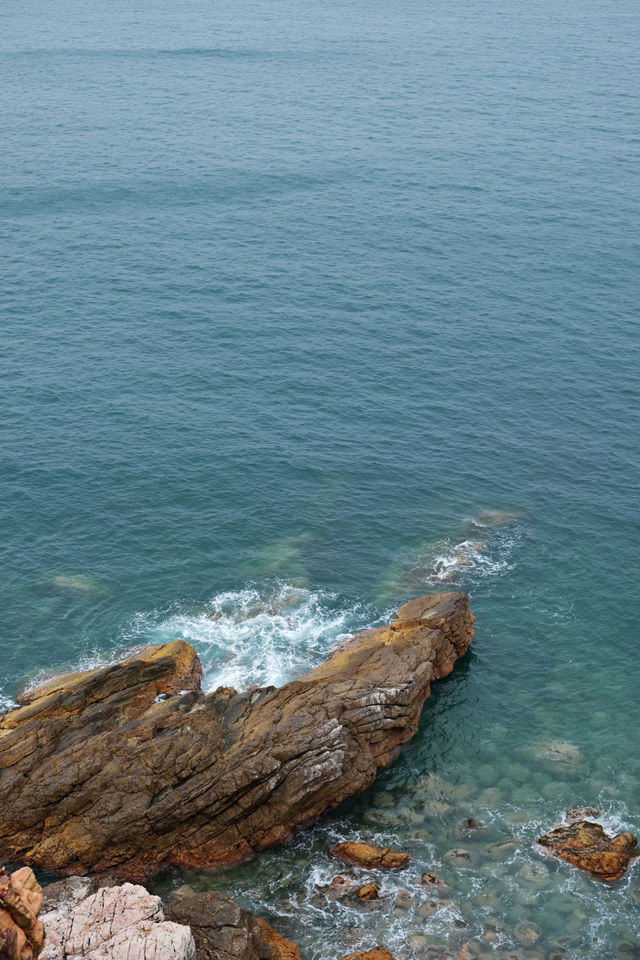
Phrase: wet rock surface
[369,856]
[585,844]
[132,767]
[21,932]
[224,931]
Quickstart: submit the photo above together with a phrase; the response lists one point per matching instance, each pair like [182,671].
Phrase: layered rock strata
[132,767]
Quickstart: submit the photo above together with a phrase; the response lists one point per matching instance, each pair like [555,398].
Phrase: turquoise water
[292,293]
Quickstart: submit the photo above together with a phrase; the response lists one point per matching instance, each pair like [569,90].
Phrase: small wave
[482,549]
[256,636]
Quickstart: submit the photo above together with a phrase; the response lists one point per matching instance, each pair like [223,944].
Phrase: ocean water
[311,308]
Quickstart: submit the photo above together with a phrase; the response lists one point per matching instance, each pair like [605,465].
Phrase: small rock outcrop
[585,844]
[21,932]
[224,931]
[131,767]
[369,856]
[112,923]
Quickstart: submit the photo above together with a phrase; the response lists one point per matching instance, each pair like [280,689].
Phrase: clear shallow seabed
[291,293]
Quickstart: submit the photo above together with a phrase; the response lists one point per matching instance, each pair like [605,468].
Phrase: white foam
[467,560]
[255,636]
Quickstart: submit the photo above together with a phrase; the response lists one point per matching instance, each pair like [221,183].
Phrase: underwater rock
[432,880]
[403,899]
[369,856]
[469,824]
[114,922]
[378,953]
[97,775]
[457,855]
[224,931]
[21,933]
[585,844]
[560,752]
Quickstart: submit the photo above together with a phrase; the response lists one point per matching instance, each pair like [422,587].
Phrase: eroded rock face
[586,845]
[131,767]
[369,856]
[224,931]
[112,924]
[21,933]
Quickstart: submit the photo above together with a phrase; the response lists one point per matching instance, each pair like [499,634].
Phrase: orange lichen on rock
[585,844]
[369,856]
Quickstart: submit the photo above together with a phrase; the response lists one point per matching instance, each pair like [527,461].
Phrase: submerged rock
[21,932]
[113,923]
[585,844]
[99,772]
[378,953]
[559,752]
[369,856]
[224,931]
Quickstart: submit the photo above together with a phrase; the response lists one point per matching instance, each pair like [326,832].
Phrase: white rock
[115,923]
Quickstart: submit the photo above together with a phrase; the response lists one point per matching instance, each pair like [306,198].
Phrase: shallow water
[311,309]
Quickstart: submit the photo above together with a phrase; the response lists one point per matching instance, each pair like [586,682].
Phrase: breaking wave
[256,636]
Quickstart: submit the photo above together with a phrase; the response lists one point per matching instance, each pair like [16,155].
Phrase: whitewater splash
[482,549]
[256,636]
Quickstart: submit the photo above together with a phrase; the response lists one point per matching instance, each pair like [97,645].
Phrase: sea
[308,309]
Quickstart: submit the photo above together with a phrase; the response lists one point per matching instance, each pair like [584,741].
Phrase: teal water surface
[309,309]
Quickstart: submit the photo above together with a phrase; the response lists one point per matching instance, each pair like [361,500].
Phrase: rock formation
[224,931]
[586,845]
[369,856]
[21,933]
[112,923]
[132,768]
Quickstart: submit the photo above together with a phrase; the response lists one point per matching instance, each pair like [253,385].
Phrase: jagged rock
[369,856]
[378,953]
[21,933]
[114,923]
[224,931]
[586,845]
[98,771]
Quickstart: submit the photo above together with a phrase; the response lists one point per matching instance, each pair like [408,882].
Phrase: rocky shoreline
[133,768]
[113,774]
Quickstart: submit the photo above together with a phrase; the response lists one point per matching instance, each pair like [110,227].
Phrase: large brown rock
[224,931]
[99,772]
[369,856]
[21,933]
[586,845]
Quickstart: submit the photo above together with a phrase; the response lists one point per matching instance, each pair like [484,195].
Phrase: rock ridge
[132,768]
